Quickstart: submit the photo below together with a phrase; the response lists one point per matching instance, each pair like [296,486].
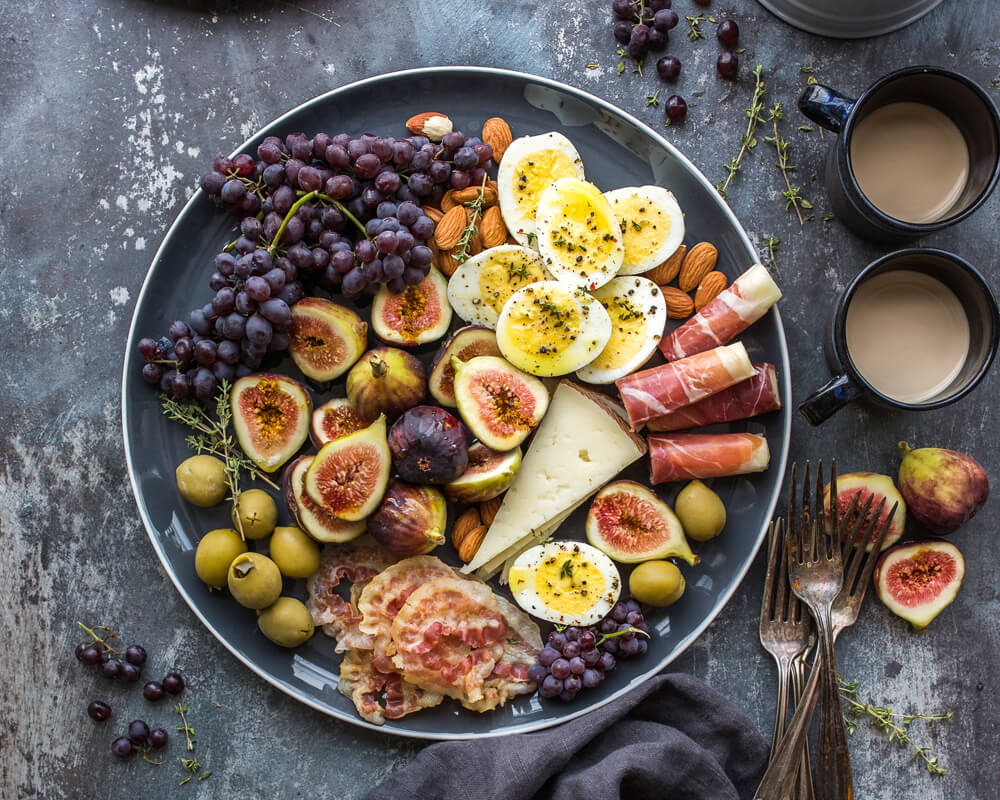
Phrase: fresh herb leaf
[694,34]
[747,140]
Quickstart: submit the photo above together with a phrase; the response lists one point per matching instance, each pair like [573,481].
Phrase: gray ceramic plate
[849,19]
[617,150]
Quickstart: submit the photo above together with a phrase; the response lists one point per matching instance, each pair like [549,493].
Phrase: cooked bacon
[756,395]
[367,688]
[654,392]
[732,312]
[680,456]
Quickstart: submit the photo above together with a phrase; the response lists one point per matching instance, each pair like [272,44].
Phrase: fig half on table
[874,486]
[918,580]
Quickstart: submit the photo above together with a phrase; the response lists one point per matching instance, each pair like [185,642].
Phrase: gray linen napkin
[672,738]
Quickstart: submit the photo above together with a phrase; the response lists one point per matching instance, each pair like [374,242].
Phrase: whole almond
[466,195]
[496,133]
[667,271]
[488,510]
[475,244]
[449,229]
[431,124]
[467,521]
[679,304]
[448,201]
[433,213]
[446,262]
[471,543]
[699,261]
[492,229]
[709,288]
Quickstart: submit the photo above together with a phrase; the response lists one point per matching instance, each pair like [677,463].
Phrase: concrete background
[110,111]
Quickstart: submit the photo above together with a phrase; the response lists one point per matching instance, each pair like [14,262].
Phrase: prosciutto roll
[658,391]
[756,395]
[728,315]
[682,456]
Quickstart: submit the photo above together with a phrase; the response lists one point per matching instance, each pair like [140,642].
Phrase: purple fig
[410,520]
[942,488]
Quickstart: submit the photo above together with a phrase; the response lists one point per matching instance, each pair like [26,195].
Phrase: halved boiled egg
[652,225]
[529,166]
[479,288]
[578,234]
[568,583]
[638,314]
[548,329]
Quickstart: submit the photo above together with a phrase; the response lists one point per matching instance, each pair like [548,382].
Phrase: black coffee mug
[984,329]
[959,98]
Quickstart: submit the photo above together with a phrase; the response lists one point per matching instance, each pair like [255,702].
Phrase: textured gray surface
[110,112]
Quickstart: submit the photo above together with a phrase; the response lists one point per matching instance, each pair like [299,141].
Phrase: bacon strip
[756,395]
[728,315]
[380,695]
[680,456]
[654,392]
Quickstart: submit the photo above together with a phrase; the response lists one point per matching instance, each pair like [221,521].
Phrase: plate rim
[293,692]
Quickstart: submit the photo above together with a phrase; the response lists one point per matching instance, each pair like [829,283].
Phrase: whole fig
[942,488]
[411,520]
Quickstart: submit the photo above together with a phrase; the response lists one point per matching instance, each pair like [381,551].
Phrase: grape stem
[103,640]
[343,210]
[284,223]
[629,629]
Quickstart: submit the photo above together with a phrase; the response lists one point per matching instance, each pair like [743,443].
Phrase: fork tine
[860,549]
[806,504]
[847,538]
[866,575]
[781,600]
[834,505]
[819,511]
[767,604]
[793,513]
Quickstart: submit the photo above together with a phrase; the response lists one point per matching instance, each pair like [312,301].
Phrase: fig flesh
[490,473]
[631,524]
[333,419]
[428,445]
[417,315]
[308,514]
[325,338]
[411,520]
[271,418]
[463,344]
[918,580]
[386,380]
[500,404]
[943,488]
[348,476]
[876,487]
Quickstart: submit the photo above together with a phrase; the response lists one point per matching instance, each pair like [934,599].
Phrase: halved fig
[631,524]
[309,515]
[428,445]
[271,418]
[490,474]
[918,580]
[417,315]
[386,380]
[325,338]
[333,419]
[500,404]
[463,344]
[348,476]
[870,484]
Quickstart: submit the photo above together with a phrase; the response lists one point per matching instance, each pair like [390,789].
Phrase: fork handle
[781,710]
[805,783]
[833,760]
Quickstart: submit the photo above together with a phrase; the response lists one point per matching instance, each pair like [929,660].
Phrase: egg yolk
[544,322]
[568,583]
[581,237]
[628,332]
[535,173]
[645,227]
[501,276]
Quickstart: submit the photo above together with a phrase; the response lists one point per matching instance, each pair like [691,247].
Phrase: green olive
[215,553]
[258,511]
[254,580]
[287,622]
[700,511]
[658,583]
[296,555]
[202,480]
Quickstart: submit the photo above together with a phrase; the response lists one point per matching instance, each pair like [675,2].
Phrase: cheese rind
[581,444]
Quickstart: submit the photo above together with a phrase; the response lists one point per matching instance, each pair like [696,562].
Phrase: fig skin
[411,520]
[878,486]
[489,474]
[943,488]
[386,380]
[429,445]
[923,561]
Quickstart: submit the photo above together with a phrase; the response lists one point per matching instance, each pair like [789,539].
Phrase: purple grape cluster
[578,658]
[643,25]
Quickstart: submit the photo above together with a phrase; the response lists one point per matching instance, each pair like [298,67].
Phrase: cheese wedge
[582,443]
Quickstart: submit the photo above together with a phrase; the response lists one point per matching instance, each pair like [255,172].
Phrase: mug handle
[829,398]
[825,106]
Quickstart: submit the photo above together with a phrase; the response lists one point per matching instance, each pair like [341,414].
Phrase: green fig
[942,488]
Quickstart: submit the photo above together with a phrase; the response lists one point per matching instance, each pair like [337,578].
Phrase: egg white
[578,234]
[523,576]
[652,225]
[479,288]
[638,313]
[548,329]
[530,165]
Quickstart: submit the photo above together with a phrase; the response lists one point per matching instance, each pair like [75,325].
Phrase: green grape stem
[284,223]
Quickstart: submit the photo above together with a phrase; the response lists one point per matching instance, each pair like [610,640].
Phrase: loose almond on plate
[431,124]
[467,521]
[699,261]
[709,288]
[679,304]
[667,271]
[449,229]
[496,133]
[491,228]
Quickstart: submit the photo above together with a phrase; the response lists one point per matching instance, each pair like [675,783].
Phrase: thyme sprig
[773,244]
[185,728]
[890,722]
[792,194]
[695,33]
[748,141]
[461,253]
[653,99]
